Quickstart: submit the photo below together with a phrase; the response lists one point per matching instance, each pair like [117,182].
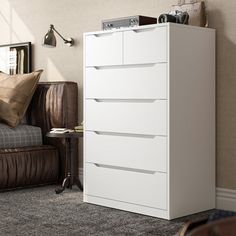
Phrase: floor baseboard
[226,199]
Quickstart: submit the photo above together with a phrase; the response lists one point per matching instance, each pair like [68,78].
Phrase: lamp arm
[65,40]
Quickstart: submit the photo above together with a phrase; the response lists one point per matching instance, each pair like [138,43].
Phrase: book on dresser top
[79,128]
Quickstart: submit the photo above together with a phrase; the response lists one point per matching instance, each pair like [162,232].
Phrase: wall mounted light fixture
[50,39]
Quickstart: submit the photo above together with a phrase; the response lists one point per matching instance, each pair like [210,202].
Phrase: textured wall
[24,20]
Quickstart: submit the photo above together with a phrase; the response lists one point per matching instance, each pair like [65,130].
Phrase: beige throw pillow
[16,92]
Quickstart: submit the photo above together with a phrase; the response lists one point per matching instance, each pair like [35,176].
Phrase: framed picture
[15,58]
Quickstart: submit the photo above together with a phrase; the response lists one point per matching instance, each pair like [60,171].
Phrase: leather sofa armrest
[55,104]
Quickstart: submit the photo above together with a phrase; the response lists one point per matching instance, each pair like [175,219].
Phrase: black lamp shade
[50,39]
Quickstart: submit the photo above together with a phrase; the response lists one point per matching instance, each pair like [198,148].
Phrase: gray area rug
[40,212]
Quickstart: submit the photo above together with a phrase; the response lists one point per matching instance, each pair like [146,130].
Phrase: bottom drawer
[145,188]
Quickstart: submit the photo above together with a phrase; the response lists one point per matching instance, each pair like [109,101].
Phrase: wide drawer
[143,188]
[103,49]
[143,81]
[139,152]
[125,116]
[147,45]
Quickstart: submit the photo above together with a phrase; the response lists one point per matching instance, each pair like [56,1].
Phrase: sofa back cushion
[16,92]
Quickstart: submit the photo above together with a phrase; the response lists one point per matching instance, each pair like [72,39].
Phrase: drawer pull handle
[125,169]
[102,35]
[124,66]
[125,134]
[144,30]
[126,100]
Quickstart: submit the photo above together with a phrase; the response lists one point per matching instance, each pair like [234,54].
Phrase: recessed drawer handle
[144,30]
[126,100]
[103,35]
[125,169]
[123,66]
[125,134]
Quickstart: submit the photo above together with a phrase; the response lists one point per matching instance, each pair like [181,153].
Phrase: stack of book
[79,128]
[61,130]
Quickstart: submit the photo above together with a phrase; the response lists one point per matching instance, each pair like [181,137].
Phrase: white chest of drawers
[149,112]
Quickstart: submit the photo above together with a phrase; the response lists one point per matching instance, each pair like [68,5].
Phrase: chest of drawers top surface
[99,32]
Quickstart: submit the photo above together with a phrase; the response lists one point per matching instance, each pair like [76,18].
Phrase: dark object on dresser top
[54,104]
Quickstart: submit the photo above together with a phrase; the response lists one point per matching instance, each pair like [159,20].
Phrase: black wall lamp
[50,39]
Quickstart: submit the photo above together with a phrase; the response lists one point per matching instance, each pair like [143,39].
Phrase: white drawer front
[143,82]
[147,189]
[145,45]
[139,152]
[103,49]
[143,117]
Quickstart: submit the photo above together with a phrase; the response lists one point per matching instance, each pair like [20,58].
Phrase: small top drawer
[148,45]
[103,49]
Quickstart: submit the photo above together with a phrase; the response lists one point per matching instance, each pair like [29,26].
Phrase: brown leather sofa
[54,104]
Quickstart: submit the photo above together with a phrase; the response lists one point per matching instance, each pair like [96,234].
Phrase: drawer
[143,188]
[145,45]
[143,82]
[103,49]
[125,116]
[139,152]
